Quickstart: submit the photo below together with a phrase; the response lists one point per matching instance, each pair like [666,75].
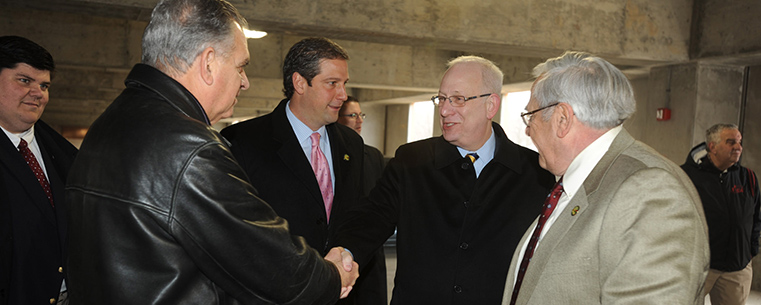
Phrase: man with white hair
[623,225]
[460,202]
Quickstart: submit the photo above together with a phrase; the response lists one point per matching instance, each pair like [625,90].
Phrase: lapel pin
[346,157]
[575,211]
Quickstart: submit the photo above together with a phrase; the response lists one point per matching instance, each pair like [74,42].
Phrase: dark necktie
[31,160]
[549,206]
[473,157]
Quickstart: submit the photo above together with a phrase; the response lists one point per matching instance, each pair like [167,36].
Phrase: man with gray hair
[623,225]
[160,211]
[731,202]
[460,202]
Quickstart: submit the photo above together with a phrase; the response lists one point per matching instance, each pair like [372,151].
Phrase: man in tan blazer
[628,227]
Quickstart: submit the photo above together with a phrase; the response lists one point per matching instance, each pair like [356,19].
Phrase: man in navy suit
[276,150]
[32,208]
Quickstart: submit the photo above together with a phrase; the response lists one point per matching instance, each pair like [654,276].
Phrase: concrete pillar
[396,128]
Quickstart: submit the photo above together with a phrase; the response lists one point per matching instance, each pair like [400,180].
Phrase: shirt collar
[15,138]
[302,131]
[486,152]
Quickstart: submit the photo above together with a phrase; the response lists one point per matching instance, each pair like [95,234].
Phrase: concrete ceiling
[628,33]
[398,47]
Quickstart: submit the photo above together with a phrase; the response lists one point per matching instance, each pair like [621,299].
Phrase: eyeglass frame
[355,115]
[530,114]
[436,102]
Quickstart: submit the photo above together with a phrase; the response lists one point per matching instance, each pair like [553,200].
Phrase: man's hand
[346,266]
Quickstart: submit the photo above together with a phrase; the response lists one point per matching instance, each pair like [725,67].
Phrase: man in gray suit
[628,227]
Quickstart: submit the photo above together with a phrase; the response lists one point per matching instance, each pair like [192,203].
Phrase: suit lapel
[515,264]
[341,161]
[549,242]
[292,155]
[17,167]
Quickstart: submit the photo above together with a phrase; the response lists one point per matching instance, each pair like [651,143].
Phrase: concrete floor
[753,299]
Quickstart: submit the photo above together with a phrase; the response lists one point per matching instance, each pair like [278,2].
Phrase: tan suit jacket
[639,236]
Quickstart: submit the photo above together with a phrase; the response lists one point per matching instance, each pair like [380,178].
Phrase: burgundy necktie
[322,173]
[31,160]
[549,206]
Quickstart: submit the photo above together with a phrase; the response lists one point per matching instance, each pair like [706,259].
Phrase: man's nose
[244,84]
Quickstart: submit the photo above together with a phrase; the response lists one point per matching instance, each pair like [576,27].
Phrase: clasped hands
[346,266]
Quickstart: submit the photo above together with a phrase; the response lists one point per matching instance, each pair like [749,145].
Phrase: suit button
[321,221]
[60,269]
[464,246]
[52,301]
[457,289]
[466,204]
[464,165]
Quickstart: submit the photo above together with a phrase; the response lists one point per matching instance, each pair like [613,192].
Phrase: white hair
[600,94]
[491,75]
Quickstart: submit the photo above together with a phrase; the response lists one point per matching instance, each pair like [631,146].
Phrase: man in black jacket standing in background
[730,197]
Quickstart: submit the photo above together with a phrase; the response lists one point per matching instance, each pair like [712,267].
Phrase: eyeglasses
[526,116]
[455,100]
[355,115]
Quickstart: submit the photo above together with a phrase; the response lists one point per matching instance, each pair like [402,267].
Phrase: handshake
[346,266]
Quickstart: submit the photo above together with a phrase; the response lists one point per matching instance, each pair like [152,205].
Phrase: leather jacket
[161,213]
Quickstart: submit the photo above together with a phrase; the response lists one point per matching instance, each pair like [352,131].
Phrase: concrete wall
[698,96]
[672,87]
[726,28]
[396,128]
[374,126]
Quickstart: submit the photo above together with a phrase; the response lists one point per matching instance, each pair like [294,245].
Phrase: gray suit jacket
[639,236]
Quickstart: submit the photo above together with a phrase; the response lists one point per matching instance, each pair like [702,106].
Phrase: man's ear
[492,105]
[299,83]
[563,118]
[208,65]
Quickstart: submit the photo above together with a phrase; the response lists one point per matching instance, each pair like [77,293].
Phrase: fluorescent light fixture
[253,34]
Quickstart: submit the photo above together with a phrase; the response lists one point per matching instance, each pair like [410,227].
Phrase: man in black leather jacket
[161,212]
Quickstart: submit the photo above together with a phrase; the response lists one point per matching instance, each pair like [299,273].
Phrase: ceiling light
[254,34]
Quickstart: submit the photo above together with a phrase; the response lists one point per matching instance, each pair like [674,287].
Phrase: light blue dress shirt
[304,133]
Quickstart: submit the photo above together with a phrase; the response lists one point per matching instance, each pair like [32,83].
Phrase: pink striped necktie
[322,173]
[31,160]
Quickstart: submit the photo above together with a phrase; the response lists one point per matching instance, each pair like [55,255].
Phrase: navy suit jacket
[32,232]
[267,149]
